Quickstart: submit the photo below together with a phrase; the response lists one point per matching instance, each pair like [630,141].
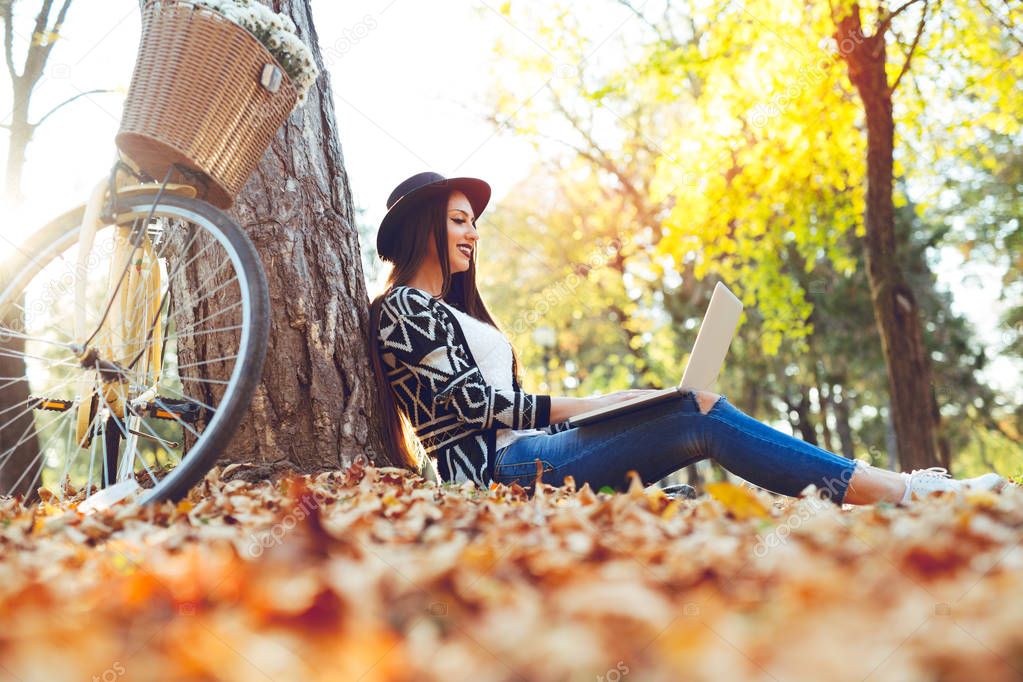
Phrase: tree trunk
[944,446]
[895,308]
[20,136]
[752,398]
[16,419]
[316,407]
[824,403]
[823,397]
[802,421]
[842,426]
[889,440]
[14,393]
[44,35]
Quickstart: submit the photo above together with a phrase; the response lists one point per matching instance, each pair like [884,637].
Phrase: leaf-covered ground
[375,574]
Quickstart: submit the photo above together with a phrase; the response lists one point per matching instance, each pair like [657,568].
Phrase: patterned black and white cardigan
[438,385]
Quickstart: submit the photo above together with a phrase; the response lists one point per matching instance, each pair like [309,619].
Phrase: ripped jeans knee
[706,400]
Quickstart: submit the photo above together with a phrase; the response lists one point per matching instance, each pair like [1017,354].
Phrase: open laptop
[702,369]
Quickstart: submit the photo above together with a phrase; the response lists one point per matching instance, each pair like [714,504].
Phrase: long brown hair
[429,220]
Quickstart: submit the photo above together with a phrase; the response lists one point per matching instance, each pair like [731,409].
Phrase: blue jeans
[660,439]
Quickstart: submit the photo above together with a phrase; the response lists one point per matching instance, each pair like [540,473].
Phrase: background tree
[45,33]
[896,307]
[745,139]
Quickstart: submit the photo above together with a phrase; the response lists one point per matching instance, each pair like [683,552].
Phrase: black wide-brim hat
[411,191]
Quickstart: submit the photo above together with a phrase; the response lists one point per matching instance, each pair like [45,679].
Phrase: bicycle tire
[41,248]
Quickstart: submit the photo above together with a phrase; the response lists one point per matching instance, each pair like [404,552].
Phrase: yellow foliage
[756,163]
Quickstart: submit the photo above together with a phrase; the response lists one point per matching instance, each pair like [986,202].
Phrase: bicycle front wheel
[129,355]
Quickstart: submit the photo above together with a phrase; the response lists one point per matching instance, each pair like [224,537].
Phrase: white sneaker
[922,482]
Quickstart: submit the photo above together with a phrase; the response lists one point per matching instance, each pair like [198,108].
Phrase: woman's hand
[563,408]
[620,396]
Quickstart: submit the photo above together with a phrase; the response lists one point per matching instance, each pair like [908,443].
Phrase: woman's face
[462,234]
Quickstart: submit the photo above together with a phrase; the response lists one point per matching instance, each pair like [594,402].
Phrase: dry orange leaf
[376,574]
[740,502]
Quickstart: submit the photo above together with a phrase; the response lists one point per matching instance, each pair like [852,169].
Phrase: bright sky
[401,107]
[408,79]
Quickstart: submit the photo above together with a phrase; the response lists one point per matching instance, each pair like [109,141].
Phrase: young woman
[448,380]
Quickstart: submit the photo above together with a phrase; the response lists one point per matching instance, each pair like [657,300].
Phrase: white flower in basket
[277,33]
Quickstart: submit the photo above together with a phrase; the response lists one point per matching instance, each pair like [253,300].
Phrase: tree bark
[316,407]
[895,308]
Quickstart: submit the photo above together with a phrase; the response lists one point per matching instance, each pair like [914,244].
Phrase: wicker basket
[196,99]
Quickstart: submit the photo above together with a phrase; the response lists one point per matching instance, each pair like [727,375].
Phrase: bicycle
[149,372]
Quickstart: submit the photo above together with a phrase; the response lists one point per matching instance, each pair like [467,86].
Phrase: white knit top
[493,354]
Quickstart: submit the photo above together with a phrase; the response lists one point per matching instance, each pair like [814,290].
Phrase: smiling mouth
[466,250]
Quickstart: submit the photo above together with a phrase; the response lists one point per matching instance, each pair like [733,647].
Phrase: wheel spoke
[53,362]
[69,456]
[181,335]
[38,339]
[208,362]
[28,405]
[188,329]
[41,454]
[144,424]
